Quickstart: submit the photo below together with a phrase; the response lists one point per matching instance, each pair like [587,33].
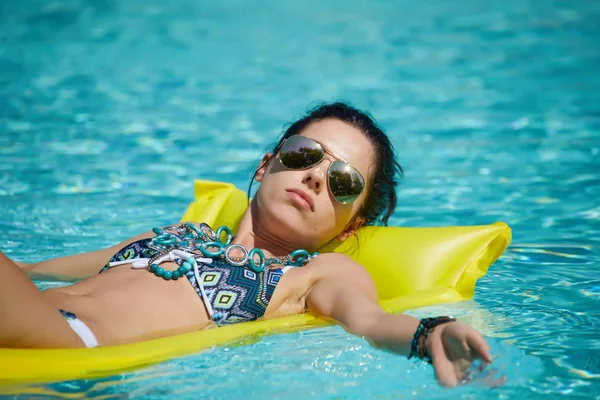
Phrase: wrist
[422,339]
[434,335]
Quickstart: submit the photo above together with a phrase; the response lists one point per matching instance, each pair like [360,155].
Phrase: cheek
[340,214]
[272,189]
[267,191]
[346,213]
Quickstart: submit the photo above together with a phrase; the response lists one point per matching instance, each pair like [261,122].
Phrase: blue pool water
[110,109]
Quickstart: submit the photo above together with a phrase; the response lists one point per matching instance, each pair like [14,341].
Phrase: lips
[302,197]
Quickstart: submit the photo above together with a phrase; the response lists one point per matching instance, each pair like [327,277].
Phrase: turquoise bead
[165,239]
[229,236]
[300,257]
[212,254]
[196,230]
[187,267]
[299,252]
[261,260]
[213,245]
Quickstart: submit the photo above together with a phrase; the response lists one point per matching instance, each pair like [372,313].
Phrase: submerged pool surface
[110,109]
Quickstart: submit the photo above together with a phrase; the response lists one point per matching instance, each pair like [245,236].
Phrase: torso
[125,305]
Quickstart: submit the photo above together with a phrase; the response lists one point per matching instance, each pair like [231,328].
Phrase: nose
[315,178]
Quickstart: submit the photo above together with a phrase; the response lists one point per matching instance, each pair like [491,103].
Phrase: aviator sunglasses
[300,152]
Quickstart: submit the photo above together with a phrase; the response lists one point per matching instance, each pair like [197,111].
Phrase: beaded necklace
[190,238]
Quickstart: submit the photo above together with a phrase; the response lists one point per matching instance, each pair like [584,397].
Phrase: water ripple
[109,110]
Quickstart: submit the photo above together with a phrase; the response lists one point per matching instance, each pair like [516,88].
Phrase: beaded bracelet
[426,326]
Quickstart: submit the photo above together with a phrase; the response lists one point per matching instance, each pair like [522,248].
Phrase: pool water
[110,109]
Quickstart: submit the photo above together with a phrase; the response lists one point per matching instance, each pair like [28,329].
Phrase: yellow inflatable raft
[426,266]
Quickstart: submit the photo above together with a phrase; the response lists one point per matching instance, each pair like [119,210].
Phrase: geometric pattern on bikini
[236,294]
[133,250]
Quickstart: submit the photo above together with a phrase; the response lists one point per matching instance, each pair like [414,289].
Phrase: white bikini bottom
[80,328]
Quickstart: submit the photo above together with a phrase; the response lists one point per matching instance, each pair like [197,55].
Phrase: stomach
[123,305]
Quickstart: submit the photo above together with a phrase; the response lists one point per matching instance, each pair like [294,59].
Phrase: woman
[332,172]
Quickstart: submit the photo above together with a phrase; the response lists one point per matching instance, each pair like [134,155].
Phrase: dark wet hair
[381,199]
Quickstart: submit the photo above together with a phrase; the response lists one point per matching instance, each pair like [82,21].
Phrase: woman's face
[279,200]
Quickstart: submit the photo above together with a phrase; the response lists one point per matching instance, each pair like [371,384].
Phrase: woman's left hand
[453,347]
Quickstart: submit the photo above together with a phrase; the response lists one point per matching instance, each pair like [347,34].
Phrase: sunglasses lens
[299,152]
[345,182]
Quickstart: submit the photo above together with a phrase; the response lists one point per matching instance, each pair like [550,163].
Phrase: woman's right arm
[344,292]
[76,267]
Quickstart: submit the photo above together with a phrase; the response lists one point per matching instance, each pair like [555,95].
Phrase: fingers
[487,380]
[444,369]
[452,355]
[481,347]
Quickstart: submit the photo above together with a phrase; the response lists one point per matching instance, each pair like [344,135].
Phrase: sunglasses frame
[325,150]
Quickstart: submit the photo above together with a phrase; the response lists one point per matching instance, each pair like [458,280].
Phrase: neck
[253,232]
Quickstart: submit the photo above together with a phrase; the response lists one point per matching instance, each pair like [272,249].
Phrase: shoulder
[336,264]
[335,277]
[331,260]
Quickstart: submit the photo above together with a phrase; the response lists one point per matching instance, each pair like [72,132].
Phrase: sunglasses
[300,152]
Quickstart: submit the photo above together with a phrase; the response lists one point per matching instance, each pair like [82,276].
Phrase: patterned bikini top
[231,294]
